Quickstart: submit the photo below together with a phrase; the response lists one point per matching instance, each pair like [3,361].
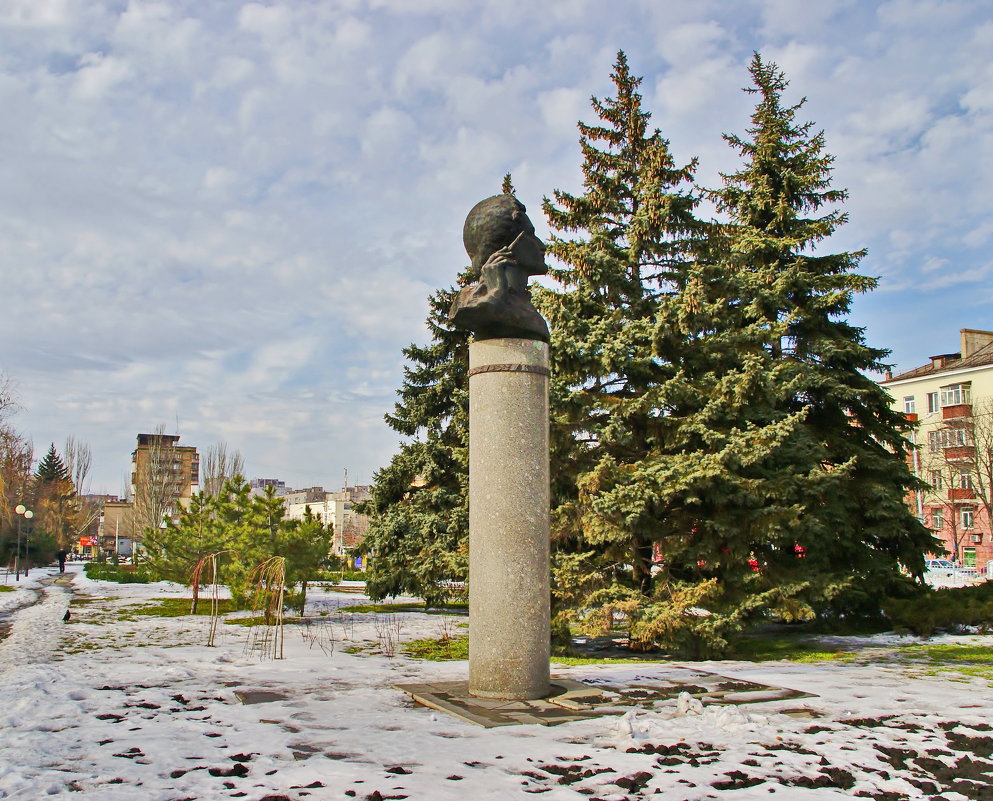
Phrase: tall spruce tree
[634,234]
[855,530]
[679,440]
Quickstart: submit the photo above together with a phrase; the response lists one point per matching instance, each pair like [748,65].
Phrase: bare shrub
[318,633]
[389,627]
[268,585]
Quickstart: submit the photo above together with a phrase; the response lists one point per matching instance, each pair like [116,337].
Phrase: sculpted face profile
[501,242]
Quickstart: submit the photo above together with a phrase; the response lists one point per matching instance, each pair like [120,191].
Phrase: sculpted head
[496,223]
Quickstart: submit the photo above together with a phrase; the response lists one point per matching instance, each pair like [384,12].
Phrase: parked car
[944,572]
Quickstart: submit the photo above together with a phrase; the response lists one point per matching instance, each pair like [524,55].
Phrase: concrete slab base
[573,700]
[570,700]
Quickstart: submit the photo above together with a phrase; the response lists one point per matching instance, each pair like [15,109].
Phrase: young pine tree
[173,550]
[854,529]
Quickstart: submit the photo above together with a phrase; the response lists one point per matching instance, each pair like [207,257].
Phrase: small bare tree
[16,453]
[982,457]
[78,459]
[959,465]
[153,482]
[217,465]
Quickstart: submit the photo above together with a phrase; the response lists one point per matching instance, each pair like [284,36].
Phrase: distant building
[116,528]
[308,495]
[951,399]
[260,484]
[91,508]
[164,476]
[336,508]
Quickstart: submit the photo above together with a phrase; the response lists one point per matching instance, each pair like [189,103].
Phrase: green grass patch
[337,575]
[750,650]
[791,649]
[84,600]
[255,620]
[443,649]
[604,660]
[122,574]
[448,609]
[968,660]
[959,653]
[179,607]
[381,608]
[6,588]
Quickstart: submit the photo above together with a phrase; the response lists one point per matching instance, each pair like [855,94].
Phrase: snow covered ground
[117,706]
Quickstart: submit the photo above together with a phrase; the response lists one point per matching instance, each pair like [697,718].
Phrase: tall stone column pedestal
[508,519]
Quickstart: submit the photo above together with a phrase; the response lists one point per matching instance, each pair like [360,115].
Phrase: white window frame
[937,519]
[948,438]
[956,394]
[968,518]
[936,480]
[909,404]
[932,402]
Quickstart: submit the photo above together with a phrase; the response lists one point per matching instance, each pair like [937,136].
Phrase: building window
[956,394]
[965,479]
[908,404]
[955,437]
[948,438]
[968,518]
[932,402]
[936,482]
[968,557]
[937,519]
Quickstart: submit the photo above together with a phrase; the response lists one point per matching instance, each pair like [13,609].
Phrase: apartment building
[951,400]
[259,485]
[336,508]
[164,476]
[116,527]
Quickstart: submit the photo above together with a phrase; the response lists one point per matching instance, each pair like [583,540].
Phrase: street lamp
[23,513]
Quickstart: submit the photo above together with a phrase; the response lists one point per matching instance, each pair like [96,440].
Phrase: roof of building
[947,362]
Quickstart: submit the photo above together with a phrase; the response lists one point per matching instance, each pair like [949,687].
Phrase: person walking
[61,554]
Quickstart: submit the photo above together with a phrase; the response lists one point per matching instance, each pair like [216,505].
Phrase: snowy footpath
[116,706]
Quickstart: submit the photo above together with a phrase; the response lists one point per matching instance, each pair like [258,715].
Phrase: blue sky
[226,217]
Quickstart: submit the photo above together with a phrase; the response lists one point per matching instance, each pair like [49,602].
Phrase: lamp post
[23,513]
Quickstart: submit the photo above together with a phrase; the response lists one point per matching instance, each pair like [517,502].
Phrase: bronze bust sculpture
[501,242]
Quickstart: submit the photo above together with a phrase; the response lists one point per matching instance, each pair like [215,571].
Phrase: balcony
[953,452]
[911,416]
[961,494]
[956,410]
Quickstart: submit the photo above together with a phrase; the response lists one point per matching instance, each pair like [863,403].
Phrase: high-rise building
[164,475]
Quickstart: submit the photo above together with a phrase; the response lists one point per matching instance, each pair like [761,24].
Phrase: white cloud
[232,214]
[98,74]
[270,22]
[35,13]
